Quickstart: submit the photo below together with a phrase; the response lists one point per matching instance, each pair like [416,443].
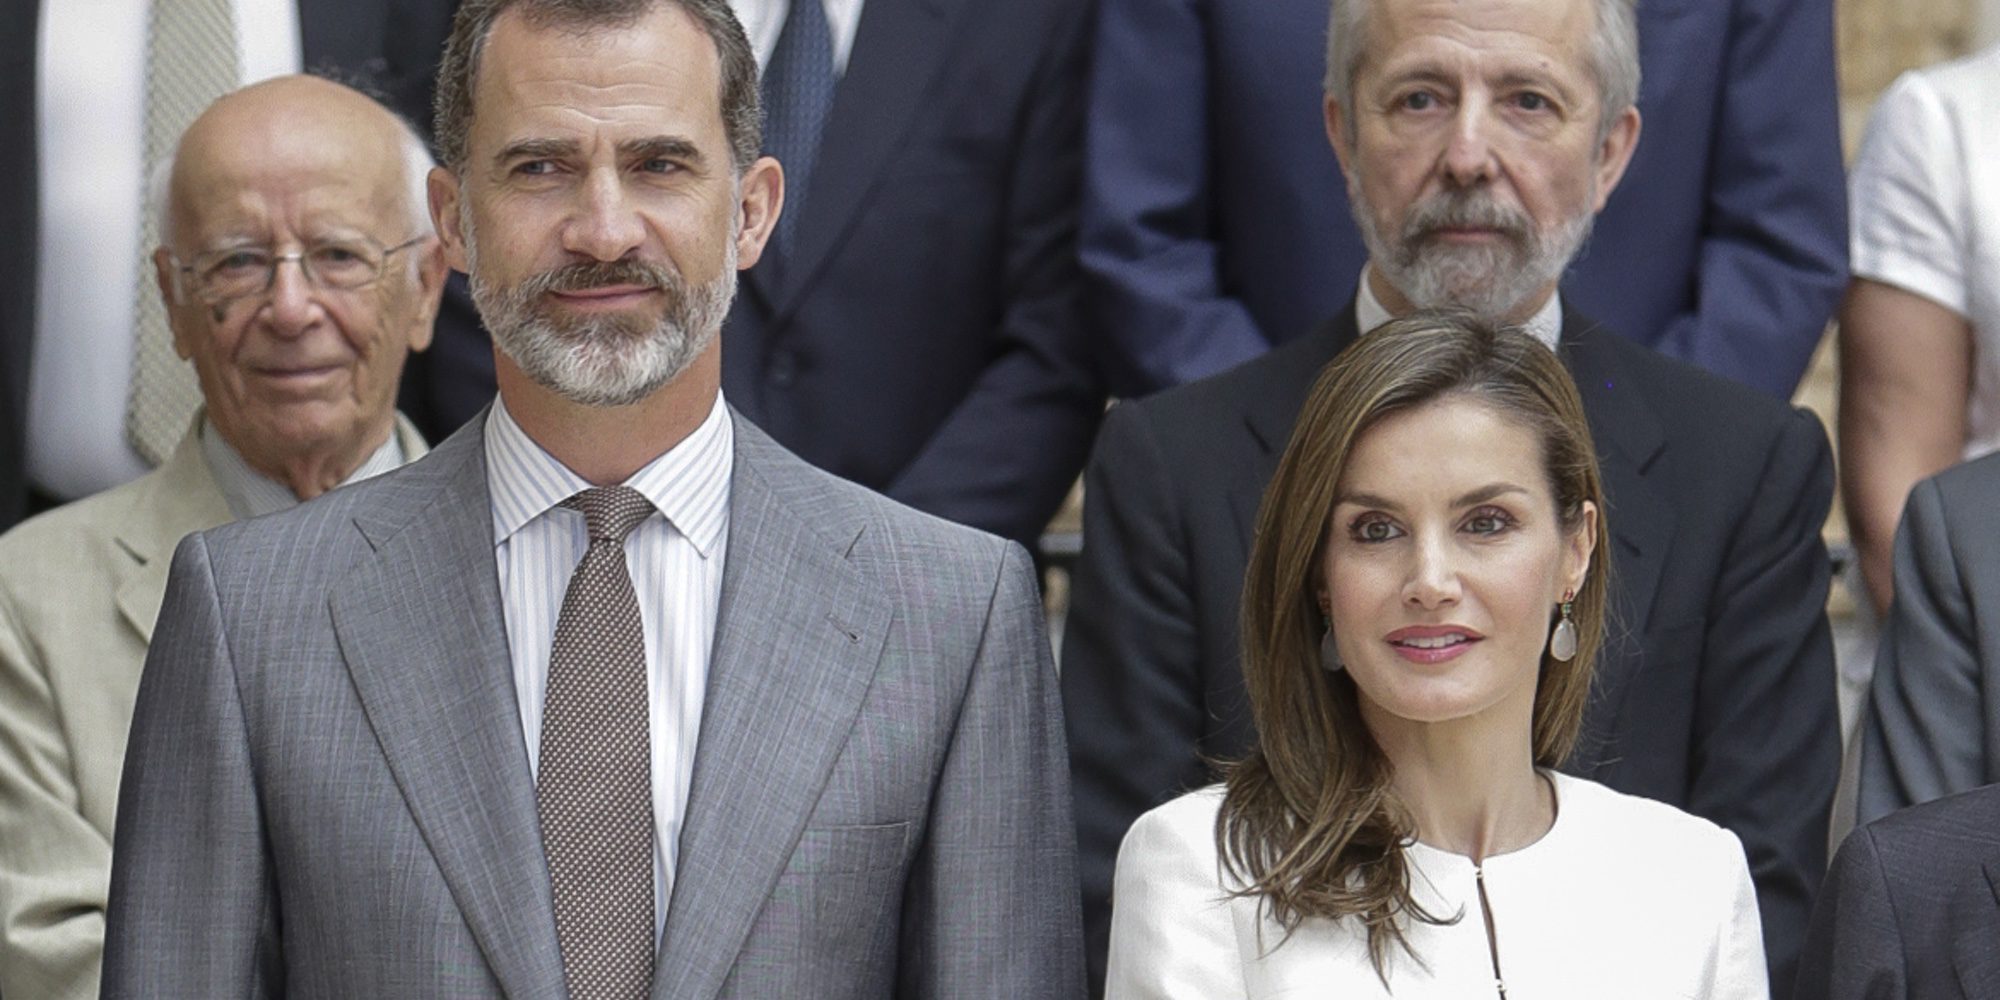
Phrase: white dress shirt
[1545,325]
[90,102]
[1623,897]
[250,493]
[676,560]
[764,20]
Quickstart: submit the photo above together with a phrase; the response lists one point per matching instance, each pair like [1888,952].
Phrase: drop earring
[1329,653]
[1562,642]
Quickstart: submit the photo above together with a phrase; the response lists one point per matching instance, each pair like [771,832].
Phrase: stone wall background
[1877,40]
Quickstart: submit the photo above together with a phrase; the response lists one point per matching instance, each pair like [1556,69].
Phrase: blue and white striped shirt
[676,560]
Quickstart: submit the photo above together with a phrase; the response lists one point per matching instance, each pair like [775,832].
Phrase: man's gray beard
[1494,281]
[602,360]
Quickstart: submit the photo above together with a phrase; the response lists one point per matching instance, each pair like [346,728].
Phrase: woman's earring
[1329,653]
[1562,642]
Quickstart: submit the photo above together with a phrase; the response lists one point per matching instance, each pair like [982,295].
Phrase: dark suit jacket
[18,203]
[1216,222]
[1715,691]
[924,340]
[394,46]
[390,46]
[1911,908]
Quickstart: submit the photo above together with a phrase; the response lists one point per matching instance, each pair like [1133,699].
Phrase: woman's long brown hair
[1309,823]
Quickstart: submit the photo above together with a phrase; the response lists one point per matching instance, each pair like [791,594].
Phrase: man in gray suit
[298,368]
[1933,723]
[382,748]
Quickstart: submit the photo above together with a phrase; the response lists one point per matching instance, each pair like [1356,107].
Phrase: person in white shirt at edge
[1424,601]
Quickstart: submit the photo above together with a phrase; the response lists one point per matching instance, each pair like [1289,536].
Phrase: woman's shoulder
[1598,817]
[1180,830]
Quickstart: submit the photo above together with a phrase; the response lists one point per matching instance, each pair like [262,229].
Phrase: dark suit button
[782,370]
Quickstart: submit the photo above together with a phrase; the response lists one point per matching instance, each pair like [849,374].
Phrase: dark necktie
[798,93]
[594,788]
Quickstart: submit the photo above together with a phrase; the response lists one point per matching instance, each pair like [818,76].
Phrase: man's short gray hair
[1614,57]
[458,70]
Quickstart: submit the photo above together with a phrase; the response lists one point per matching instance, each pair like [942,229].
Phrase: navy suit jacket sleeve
[1148,246]
[1772,258]
[1003,459]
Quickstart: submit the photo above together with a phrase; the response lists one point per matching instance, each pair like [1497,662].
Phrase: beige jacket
[80,587]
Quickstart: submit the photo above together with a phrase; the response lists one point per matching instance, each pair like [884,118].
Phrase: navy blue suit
[924,337]
[1216,222]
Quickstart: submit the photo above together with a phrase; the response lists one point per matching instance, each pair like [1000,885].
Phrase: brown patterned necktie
[594,788]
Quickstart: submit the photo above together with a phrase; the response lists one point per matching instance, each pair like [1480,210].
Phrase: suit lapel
[798,637]
[1629,439]
[421,628]
[898,48]
[178,499]
[1270,412]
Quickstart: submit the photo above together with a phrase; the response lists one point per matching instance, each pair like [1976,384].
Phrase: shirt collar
[688,484]
[1545,325]
[250,493]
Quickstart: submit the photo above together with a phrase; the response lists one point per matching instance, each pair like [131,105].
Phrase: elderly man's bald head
[299,268]
[346,110]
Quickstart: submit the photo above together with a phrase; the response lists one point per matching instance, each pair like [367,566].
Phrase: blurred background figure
[1418,645]
[1216,225]
[298,268]
[915,325]
[1920,328]
[94,394]
[1933,722]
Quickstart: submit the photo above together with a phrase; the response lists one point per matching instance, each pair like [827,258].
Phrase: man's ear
[761,200]
[430,273]
[167,276]
[444,189]
[1614,154]
[1337,132]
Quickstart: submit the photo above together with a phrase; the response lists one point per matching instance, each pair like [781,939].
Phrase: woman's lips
[1432,643]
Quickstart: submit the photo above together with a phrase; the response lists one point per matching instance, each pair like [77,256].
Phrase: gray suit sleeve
[192,907]
[1855,949]
[1923,737]
[991,905]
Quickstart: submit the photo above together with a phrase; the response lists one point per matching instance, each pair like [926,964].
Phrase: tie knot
[611,512]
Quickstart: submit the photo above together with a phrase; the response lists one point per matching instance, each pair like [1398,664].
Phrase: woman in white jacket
[1424,599]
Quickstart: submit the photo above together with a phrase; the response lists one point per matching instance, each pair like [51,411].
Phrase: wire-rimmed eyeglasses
[344,264]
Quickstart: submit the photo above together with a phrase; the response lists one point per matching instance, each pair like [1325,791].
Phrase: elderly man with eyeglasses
[299,268]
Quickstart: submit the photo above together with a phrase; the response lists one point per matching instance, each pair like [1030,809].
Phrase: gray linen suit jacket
[80,588]
[1933,724]
[327,791]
